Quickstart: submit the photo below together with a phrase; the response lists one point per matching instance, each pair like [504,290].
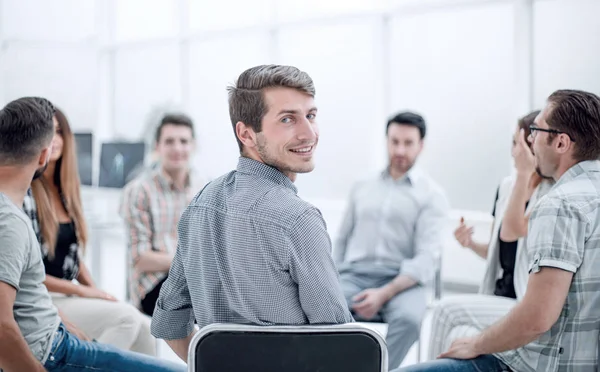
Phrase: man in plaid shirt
[151,207]
[556,325]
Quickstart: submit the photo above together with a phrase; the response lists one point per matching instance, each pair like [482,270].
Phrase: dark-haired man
[250,250]
[32,337]
[151,206]
[390,236]
[554,327]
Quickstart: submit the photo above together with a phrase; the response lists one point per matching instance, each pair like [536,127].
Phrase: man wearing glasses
[556,325]
[534,129]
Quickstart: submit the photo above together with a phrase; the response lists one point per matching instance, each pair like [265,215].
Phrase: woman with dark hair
[506,275]
[55,208]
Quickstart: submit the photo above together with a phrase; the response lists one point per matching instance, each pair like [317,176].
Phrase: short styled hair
[246,97]
[577,113]
[26,128]
[408,118]
[173,119]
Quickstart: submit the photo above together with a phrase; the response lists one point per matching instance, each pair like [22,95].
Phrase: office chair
[324,348]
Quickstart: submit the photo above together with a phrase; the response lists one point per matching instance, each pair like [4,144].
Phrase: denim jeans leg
[484,363]
[69,354]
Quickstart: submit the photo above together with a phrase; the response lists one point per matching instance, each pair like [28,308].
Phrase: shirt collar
[253,167]
[166,180]
[578,169]
[412,176]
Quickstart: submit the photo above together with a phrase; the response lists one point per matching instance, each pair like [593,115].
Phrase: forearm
[513,331]
[399,284]
[57,285]
[514,223]
[417,270]
[84,277]
[181,346]
[151,261]
[480,249]
[15,355]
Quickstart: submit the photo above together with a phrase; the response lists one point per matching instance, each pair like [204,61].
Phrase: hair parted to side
[577,113]
[246,96]
[66,178]
[26,128]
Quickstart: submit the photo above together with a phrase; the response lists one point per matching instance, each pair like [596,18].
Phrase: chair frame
[437,295]
[337,328]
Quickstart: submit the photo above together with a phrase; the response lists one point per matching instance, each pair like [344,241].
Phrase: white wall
[109,64]
[463,82]
[566,53]
[471,67]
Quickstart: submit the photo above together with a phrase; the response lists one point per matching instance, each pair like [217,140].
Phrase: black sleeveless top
[65,263]
[508,254]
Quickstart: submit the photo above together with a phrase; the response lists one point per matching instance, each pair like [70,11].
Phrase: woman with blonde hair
[55,208]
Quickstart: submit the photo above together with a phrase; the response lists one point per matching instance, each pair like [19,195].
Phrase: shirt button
[52,358]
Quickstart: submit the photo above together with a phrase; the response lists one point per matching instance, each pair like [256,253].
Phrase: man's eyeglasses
[535,129]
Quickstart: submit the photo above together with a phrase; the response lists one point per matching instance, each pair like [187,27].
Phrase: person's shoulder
[13,220]
[283,197]
[505,187]
[559,201]
[207,190]
[371,178]
[304,215]
[561,193]
[143,179]
[367,182]
[507,182]
[426,183]
[143,183]
[578,194]
[580,186]
[17,242]
[283,206]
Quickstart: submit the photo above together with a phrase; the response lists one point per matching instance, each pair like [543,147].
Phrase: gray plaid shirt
[250,251]
[564,232]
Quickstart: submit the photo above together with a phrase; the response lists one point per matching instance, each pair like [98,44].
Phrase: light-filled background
[470,67]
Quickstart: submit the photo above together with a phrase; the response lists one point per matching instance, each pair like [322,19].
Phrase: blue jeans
[69,354]
[484,363]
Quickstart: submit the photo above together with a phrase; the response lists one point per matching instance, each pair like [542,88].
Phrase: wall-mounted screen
[118,160]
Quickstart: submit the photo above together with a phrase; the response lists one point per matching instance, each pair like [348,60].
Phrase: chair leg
[437,295]
[419,340]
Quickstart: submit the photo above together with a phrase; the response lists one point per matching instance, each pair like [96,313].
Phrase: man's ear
[245,134]
[44,156]
[563,143]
